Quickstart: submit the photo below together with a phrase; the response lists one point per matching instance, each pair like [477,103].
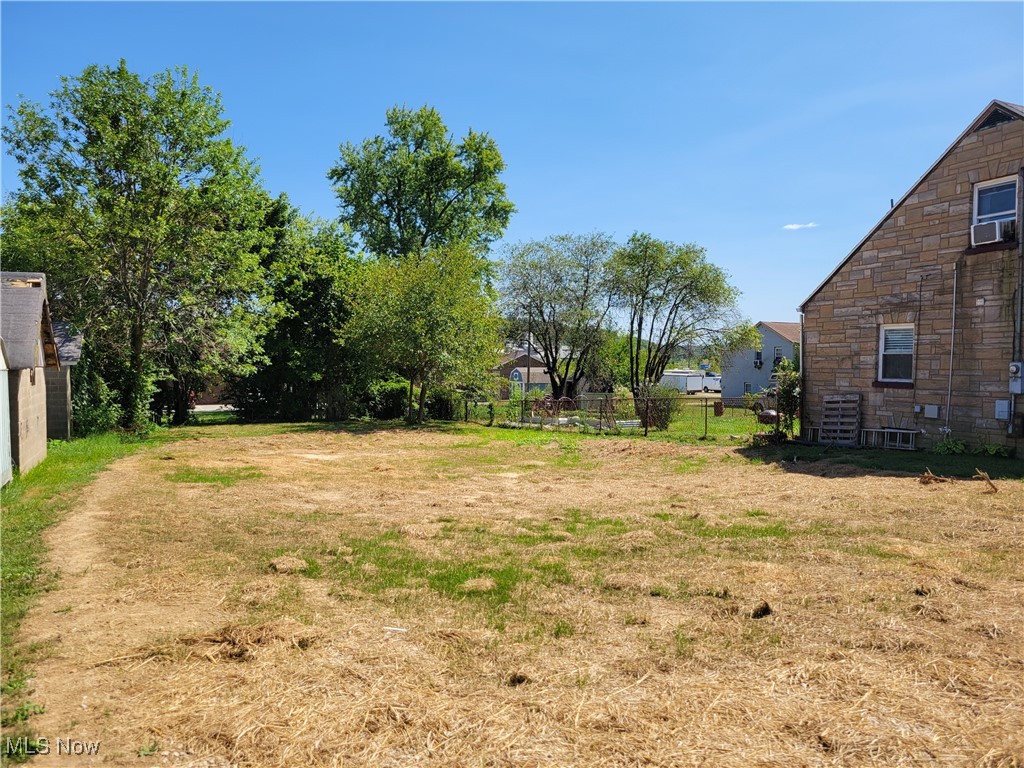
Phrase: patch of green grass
[30,504]
[873,550]
[21,714]
[744,531]
[384,563]
[691,466]
[682,643]
[563,628]
[582,523]
[224,477]
[756,513]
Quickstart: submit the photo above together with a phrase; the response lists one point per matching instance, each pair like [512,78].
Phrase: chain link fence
[684,416]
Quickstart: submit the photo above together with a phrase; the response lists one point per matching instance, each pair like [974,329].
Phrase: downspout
[1018,320]
[803,388]
[952,338]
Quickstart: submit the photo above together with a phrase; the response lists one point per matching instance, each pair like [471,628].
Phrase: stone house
[31,348]
[748,371]
[917,334]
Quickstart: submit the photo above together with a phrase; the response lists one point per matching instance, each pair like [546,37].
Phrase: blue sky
[713,123]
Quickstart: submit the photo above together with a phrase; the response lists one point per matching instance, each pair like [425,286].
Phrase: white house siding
[741,370]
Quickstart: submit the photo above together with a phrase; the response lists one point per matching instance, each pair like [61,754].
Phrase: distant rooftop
[788,331]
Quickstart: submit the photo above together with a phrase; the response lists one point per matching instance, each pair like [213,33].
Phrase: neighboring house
[58,382]
[517,365]
[916,334]
[31,348]
[748,371]
[529,378]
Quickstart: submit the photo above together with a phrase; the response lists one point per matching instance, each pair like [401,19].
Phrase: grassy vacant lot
[472,597]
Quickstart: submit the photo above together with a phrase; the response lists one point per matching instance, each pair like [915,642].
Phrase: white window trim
[1002,215]
[881,349]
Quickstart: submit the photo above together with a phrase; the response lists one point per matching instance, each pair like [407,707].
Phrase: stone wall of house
[58,403]
[27,390]
[905,273]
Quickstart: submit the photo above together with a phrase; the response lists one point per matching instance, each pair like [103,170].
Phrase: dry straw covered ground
[496,598]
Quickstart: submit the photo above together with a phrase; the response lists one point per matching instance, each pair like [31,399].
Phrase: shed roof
[788,331]
[69,344]
[995,113]
[24,316]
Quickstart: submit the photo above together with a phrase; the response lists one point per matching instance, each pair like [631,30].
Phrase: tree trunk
[135,399]
[181,403]
[408,408]
[423,401]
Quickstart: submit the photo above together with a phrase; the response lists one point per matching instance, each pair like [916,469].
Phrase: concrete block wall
[905,273]
[27,390]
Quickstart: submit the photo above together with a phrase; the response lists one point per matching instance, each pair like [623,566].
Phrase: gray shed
[31,348]
[58,382]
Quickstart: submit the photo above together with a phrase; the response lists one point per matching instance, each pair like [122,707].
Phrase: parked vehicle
[712,382]
[691,382]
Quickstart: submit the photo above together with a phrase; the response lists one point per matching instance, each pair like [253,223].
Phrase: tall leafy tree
[416,188]
[304,369]
[554,291]
[671,296]
[431,319]
[155,217]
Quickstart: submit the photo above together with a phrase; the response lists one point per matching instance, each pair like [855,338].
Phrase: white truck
[690,381]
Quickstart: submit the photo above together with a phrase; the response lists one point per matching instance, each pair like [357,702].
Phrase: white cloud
[800,226]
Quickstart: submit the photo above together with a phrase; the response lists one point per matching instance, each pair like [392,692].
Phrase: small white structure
[6,466]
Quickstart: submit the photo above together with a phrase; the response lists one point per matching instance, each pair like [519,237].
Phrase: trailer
[691,382]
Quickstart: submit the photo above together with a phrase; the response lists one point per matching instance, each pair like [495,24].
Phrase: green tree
[554,291]
[787,396]
[153,217]
[431,320]
[416,188]
[673,297]
[304,369]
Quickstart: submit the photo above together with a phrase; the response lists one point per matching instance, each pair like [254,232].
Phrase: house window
[995,200]
[748,388]
[896,353]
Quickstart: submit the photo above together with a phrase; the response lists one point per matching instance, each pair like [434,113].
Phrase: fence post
[490,414]
[705,418]
[647,414]
[466,404]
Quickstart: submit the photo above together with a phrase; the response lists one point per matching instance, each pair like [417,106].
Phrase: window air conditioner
[990,232]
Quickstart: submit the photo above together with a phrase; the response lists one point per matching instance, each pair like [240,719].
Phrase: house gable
[996,114]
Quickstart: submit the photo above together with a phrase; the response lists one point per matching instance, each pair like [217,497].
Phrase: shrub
[656,405]
[387,398]
[992,449]
[94,405]
[950,446]
[444,404]
[787,395]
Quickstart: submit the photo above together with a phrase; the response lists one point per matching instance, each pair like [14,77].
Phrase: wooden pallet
[840,420]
